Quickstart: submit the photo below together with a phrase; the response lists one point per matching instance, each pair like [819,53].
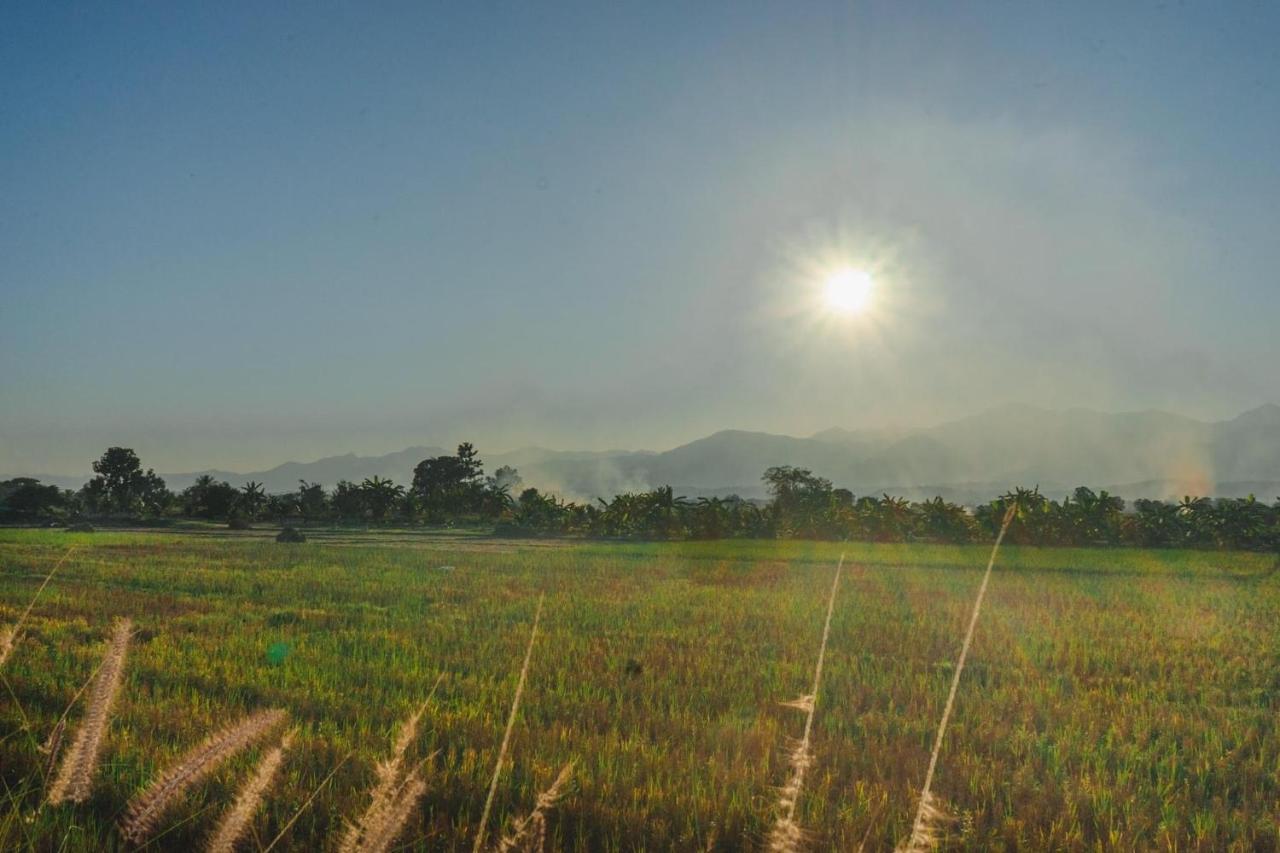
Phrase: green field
[1112,698]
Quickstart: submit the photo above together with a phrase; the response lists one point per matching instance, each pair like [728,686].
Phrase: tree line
[454,490]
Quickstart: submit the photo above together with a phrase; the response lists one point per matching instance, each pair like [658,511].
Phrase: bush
[80,527]
[238,523]
[507,530]
[290,534]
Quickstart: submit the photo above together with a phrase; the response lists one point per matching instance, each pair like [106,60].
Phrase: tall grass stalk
[233,824]
[786,833]
[307,802]
[11,635]
[74,781]
[52,747]
[385,800]
[511,724]
[924,831]
[531,832]
[388,829]
[145,809]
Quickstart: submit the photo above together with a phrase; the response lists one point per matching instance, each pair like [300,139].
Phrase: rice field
[1111,699]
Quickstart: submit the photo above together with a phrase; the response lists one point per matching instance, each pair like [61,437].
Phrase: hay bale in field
[235,522]
[80,527]
[290,534]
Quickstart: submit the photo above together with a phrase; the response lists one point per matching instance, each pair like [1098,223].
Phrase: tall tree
[27,498]
[450,485]
[348,501]
[209,498]
[801,500]
[312,501]
[506,478]
[122,486]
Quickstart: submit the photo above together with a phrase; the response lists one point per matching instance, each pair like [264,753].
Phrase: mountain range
[1134,454]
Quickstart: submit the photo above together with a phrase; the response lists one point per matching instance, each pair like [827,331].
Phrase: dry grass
[306,804]
[511,723]
[234,823]
[401,806]
[930,822]
[1117,699]
[786,835]
[145,809]
[74,781]
[10,636]
[52,747]
[530,833]
[392,799]
[8,639]
[925,831]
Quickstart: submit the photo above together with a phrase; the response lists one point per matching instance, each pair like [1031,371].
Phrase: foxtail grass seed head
[234,823]
[144,811]
[927,831]
[511,723]
[384,800]
[8,639]
[52,747]
[391,823]
[530,833]
[74,781]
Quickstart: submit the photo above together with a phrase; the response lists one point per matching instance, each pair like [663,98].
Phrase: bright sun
[848,290]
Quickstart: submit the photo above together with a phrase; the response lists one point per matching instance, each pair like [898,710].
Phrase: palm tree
[1092,518]
[1157,523]
[381,496]
[1033,516]
[709,519]
[496,500]
[1240,523]
[1197,519]
[944,522]
[252,498]
[895,518]
[664,512]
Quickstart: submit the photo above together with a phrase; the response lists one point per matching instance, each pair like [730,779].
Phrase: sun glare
[848,290]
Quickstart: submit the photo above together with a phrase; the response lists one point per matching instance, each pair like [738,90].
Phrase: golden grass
[145,810]
[1117,699]
[511,723]
[12,634]
[530,833]
[926,829]
[52,747]
[385,832]
[74,781]
[234,823]
[393,797]
[8,640]
[787,835]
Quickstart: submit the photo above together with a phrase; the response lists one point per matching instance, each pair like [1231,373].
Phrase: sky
[237,234]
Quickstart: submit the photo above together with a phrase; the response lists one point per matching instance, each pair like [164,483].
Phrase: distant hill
[1134,454]
[283,478]
[397,466]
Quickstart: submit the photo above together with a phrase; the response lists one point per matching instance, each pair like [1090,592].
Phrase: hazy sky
[231,236]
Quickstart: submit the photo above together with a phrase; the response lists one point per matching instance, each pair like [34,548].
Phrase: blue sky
[234,235]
